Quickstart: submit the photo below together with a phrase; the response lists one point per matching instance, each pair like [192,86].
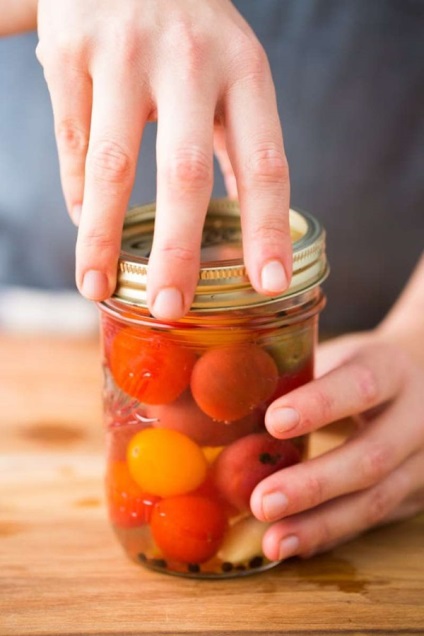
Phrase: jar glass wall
[184,410]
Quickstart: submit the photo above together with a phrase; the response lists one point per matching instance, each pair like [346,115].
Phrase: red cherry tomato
[228,383]
[246,462]
[188,528]
[152,369]
[185,416]
[128,505]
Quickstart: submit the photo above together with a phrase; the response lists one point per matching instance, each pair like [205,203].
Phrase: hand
[375,477]
[112,66]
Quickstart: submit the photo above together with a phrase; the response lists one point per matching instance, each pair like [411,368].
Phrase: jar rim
[223,283]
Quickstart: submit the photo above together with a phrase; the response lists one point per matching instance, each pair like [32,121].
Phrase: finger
[71,95]
[221,153]
[363,461]
[366,380]
[328,525]
[120,110]
[255,147]
[185,176]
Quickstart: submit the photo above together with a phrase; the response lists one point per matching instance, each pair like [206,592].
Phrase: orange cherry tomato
[166,462]
[152,369]
[189,528]
[129,506]
[228,383]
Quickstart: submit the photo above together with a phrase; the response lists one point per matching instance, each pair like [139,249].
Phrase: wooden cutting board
[62,572]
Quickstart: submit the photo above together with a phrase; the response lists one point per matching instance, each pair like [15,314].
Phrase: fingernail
[284,419]
[95,285]
[273,278]
[76,214]
[273,505]
[168,304]
[288,546]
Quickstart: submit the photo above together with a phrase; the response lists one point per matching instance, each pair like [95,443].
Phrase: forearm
[404,324]
[17,16]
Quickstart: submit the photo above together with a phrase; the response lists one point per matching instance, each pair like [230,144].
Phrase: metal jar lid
[223,282]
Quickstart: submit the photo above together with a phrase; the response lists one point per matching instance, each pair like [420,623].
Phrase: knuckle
[189,42]
[318,539]
[267,165]
[190,169]
[97,239]
[324,535]
[366,383]
[375,464]
[125,41]
[256,62]
[69,49]
[179,253]
[321,404]
[315,490]
[71,137]
[109,162]
[378,506]
[249,60]
[271,231]
[62,48]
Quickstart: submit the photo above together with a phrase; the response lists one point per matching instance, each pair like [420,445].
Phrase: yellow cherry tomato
[164,462]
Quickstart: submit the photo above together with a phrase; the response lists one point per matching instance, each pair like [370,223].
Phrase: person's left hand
[375,477]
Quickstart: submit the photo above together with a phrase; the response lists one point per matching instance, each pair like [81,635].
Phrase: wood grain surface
[62,572]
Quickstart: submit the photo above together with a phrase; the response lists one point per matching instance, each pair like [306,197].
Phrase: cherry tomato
[152,369]
[210,490]
[166,462]
[129,506]
[246,462]
[189,528]
[228,383]
[293,379]
[185,416]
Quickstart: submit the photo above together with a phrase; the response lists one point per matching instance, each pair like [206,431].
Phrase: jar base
[194,571]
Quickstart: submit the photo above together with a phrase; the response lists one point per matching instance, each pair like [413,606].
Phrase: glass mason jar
[185,401]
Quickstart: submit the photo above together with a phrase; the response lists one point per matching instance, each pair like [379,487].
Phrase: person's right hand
[195,66]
